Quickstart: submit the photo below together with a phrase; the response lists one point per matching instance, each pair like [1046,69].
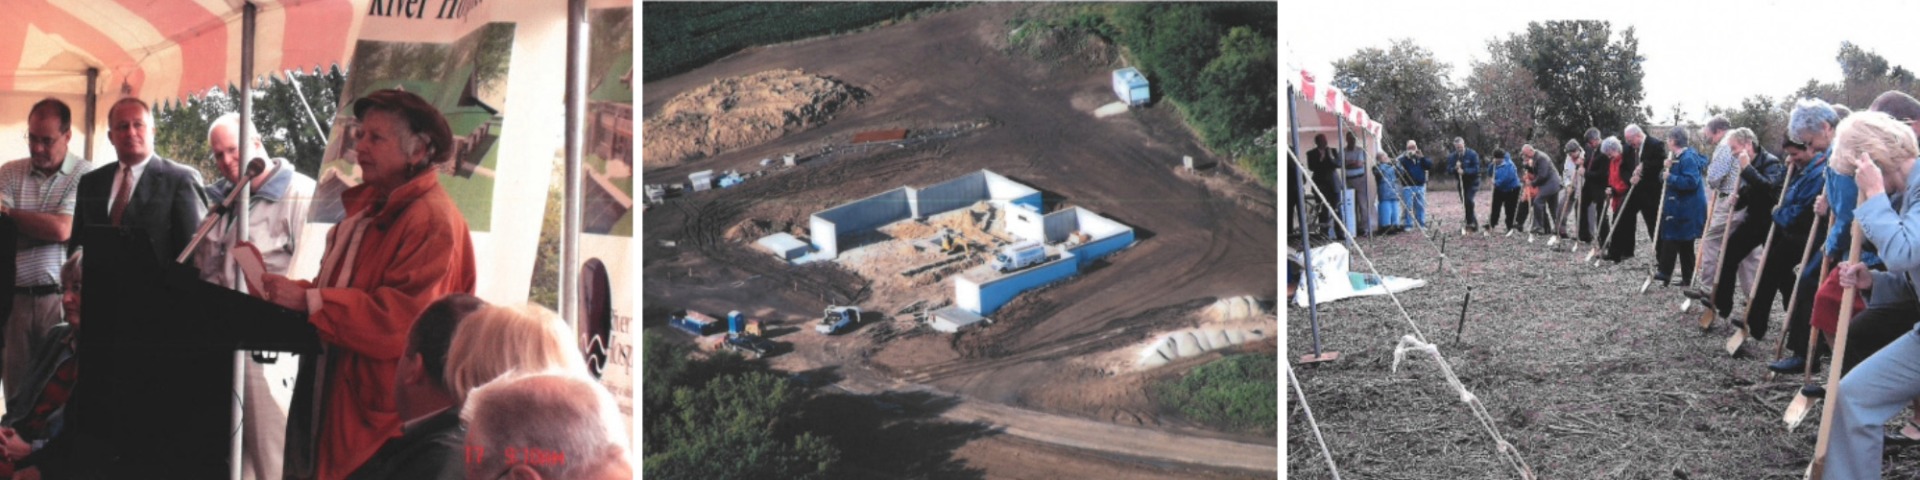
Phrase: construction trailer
[1131,87]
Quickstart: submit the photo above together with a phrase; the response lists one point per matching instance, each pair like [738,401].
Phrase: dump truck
[1018,255]
[697,323]
[837,319]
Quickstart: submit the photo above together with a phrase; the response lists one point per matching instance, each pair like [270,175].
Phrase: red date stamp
[533,456]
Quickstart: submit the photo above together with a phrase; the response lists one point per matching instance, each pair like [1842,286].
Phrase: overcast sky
[1697,53]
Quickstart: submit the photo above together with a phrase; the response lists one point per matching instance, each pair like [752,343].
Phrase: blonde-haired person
[499,339]
[1879,152]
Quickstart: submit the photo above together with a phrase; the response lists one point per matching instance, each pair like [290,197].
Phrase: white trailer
[1131,86]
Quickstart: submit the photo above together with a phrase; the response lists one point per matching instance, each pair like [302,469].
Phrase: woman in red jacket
[402,246]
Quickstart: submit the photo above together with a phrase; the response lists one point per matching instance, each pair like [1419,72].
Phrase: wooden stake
[1834,365]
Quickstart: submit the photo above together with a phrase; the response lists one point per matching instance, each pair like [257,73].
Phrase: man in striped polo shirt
[37,193]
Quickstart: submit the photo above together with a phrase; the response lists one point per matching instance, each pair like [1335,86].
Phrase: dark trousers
[1666,251]
[1876,328]
[1506,202]
[1469,185]
[1780,259]
[1620,239]
[1547,214]
[1800,320]
[1593,207]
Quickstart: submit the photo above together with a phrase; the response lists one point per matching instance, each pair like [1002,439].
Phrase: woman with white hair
[496,339]
[1879,153]
[1619,234]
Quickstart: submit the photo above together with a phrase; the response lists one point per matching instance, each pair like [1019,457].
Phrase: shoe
[1700,294]
[1793,364]
[1685,283]
[1814,391]
[1909,435]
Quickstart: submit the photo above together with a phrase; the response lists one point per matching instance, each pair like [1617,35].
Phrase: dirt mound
[742,111]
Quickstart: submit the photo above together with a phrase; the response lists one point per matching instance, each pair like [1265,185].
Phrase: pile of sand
[744,111]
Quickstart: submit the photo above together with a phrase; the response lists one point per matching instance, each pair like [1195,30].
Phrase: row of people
[402,245]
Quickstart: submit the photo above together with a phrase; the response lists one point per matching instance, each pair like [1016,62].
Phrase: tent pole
[576,140]
[249,14]
[93,100]
[1306,237]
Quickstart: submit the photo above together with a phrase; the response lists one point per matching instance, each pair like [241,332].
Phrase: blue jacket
[1504,178]
[1685,213]
[1842,195]
[1388,177]
[1468,162]
[1795,212]
[1416,166]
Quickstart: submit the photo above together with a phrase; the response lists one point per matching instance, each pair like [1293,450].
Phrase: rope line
[1508,453]
[1311,423]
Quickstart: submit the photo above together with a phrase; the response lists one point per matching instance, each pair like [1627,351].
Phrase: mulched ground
[1585,376]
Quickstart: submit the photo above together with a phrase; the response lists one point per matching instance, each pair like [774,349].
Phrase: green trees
[1403,87]
[1237,392]
[724,418]
[286,128]
[679,36]
[1595,81]
[1592,76]
[1214,62]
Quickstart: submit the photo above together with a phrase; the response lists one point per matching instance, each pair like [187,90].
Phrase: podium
[155,397]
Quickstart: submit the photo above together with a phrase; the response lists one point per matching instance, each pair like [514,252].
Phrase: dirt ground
[741,111]
[1200,236]
[1585,376]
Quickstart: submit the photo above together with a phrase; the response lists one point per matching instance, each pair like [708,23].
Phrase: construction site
[984,238]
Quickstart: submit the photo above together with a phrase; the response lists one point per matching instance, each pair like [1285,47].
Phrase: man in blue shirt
[1416,166]
[1466,162]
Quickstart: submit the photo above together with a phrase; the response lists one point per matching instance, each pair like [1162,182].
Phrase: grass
[1235,393]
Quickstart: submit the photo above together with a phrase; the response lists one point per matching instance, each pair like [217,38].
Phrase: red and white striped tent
[152,49]
[1333,115]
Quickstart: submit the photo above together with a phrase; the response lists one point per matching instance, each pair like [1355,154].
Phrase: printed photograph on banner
[466,79]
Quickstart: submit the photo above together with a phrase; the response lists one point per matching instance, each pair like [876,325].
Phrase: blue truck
[697,323]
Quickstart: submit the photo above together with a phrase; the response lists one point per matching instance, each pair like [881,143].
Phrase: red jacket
[383,265]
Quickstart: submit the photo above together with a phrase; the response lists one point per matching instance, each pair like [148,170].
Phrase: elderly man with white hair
[1651,153]
[1879,151]
[277,211]
[1723,177]
[579,432]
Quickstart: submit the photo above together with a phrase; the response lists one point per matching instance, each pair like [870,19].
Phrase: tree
[1767,118]
[723,418]
[1404,87]
[1506,100]
[286,130]
[1594,81]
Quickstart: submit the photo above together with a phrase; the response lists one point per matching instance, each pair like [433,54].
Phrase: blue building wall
[1094,250]
[997,293]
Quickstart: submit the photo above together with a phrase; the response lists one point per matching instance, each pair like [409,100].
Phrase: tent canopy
[153,50]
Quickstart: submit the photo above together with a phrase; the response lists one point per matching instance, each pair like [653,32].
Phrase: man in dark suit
[141,190]
[1652,154]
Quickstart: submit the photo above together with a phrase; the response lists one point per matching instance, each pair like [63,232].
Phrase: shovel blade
[1322,357]
[1797,411]
[1553,241]
[1706,319]
[1645,284]
[1733,342]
